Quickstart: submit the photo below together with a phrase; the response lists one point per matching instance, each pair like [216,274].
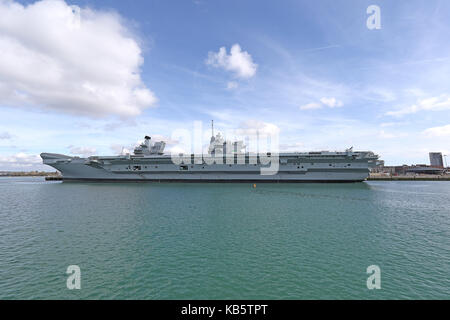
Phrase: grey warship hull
[292,167]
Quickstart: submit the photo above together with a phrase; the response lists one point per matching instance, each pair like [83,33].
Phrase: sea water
[224,241]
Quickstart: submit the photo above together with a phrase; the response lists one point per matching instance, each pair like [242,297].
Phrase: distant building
[424,170]
[436,160]
[393,170]
[418,169]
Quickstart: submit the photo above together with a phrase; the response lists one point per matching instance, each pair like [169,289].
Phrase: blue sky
[311,68]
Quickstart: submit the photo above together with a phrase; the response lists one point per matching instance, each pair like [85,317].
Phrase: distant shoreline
[29,174]
[417,177]
[409,178]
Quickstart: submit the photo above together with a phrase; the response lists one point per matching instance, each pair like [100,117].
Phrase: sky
[92,77]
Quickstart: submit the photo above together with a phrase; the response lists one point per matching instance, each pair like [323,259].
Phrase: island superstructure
[225,162]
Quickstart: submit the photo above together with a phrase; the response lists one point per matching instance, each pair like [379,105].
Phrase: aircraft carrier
[224,162]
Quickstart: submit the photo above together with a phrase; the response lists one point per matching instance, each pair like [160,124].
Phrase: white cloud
[238,61]
[83,151]
[331,102]
[390,135]
[121,150]
[439,103]
[232,85]
[392,124]
[311,106]
[328,102]
[386,135]
[223,115]
[255,127]
[19,161]
[53,58]
[443,131]
[166,139]
[5,135]
[415,92]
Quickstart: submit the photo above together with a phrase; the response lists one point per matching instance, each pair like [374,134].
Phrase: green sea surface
[224,241]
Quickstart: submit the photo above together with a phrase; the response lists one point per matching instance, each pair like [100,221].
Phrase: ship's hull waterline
[162,169]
